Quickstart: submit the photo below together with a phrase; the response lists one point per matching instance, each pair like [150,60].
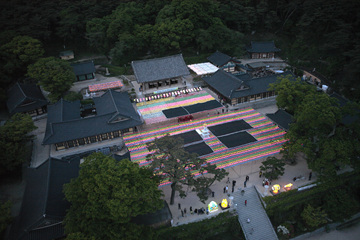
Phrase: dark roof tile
[219,59]
[282,118]
[64,121]
[160,68]
[25,97]
[262,47]
[83,68]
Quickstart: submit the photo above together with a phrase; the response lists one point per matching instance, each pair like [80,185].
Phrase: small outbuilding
[67,55]
[84,70]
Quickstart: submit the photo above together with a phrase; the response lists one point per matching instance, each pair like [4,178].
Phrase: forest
[311,33]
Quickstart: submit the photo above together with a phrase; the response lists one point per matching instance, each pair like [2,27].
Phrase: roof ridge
[152,59]
[18,84]
[113,100]
[47,187]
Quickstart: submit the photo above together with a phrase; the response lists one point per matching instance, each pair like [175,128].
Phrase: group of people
[197,211]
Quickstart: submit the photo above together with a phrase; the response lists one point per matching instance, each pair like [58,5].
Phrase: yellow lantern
[224,203]
[287,187]
[276,188]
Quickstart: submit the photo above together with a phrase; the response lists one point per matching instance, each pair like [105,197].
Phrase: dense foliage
[339,200]
[311,33]
[223,226]
[170,161]
[54,75]
[107,195]
[320,128]
[272,168]
[14,137]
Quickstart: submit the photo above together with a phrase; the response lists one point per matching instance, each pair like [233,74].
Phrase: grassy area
[116,70]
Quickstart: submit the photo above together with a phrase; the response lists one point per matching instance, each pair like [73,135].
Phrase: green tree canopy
[272,168]
[317,129]
[290,94]
[107,194]
[5,216]
[17,54]
[169,160]
[314,217]
[54,75]
[14,135]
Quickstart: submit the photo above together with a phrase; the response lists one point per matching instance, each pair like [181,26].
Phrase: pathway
[259,227]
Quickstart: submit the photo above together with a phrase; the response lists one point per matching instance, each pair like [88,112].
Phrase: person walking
[247,178]
[185,212]
[227,188]
[260,174]
[245,202]
[245,184]
[224,189]
[182,213]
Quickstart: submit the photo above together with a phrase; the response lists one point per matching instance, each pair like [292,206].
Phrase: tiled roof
[262,47]
[65,123]
[83,68]
[226,83]
[282,118]
[25,97]
[44,205]
[159,68]
[219,59]
[230,86]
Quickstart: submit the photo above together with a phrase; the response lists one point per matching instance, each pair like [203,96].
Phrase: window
[93,139]
[81,141]
[60,146]
[81,77]
[104,136]
[89,76]
[116,134]
[70,144]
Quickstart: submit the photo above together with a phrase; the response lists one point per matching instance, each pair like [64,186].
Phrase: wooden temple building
[237,89]
[264,49]
[26,98]
[84,70]
[71,124]
[223,61]
[160,73]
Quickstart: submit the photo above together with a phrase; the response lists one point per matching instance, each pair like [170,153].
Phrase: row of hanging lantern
[169,94]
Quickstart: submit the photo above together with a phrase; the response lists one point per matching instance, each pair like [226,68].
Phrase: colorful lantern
[224,203]
[276,188]
[213,206]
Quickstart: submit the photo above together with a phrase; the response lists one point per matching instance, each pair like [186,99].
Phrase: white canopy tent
[203,68]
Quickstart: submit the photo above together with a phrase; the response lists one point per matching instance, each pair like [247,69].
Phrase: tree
[17,54]
[5,216]
[107,195]
[272,167]
[314,217]
[290,94]
[169,160]
[54,75]
[73,96]
[340,205]
[14,136]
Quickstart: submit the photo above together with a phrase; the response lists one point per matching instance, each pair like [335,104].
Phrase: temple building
[26,98]
[164,74]
[84,70]
[223,61]
[237,89]
[265,49]
[71,124]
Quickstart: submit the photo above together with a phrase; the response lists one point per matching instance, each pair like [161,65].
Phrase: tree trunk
[173,185]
